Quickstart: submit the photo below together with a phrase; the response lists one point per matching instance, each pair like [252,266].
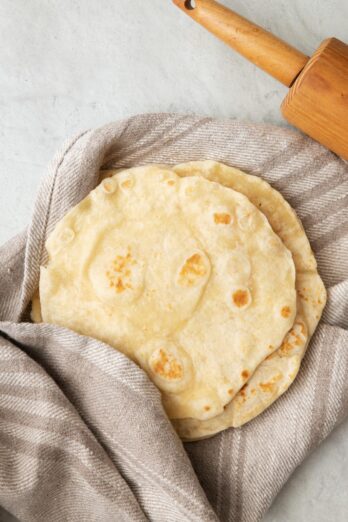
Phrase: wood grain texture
[318,101]
[265,50]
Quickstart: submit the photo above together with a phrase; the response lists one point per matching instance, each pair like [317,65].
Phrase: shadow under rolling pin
[317,102]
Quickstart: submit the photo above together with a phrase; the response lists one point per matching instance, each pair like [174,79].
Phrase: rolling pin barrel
[277,58]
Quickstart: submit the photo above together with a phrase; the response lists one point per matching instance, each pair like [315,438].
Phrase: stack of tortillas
[200,273]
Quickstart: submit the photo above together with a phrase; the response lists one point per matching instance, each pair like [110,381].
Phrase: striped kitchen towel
[83,436]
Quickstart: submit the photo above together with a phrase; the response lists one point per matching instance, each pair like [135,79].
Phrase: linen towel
[83,436]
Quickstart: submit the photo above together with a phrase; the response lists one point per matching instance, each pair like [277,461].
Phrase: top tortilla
[183,275]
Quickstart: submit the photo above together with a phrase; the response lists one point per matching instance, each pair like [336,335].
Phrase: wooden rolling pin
[317,102]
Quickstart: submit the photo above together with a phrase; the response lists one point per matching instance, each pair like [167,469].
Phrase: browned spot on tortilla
[127,183]
[293,339]
[303,328]
[230,391]
[270,347]
[121,262]
[108,186]
[119,273]
[120,287]
[171,182]
[240,298]
[222,218]
[286,347]
[253,391]
[242,391]
[207,408]
[285,311]
[302,294]
[267,386]
[193,269]
[167,366]
[245,374]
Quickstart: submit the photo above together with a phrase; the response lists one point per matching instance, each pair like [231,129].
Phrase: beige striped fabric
[83,436]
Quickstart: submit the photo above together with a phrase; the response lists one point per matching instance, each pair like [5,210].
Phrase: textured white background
[67,65]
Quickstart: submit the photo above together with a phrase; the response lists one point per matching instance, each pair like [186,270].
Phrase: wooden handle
[265,50]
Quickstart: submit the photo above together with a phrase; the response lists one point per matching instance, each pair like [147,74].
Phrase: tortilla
[184,276]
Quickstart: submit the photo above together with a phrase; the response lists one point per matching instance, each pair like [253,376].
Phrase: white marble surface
[68,65]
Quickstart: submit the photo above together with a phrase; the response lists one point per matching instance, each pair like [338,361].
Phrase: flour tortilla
[183,275]
[276,373]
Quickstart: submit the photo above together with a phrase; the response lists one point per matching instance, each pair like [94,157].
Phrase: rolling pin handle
[277,58]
